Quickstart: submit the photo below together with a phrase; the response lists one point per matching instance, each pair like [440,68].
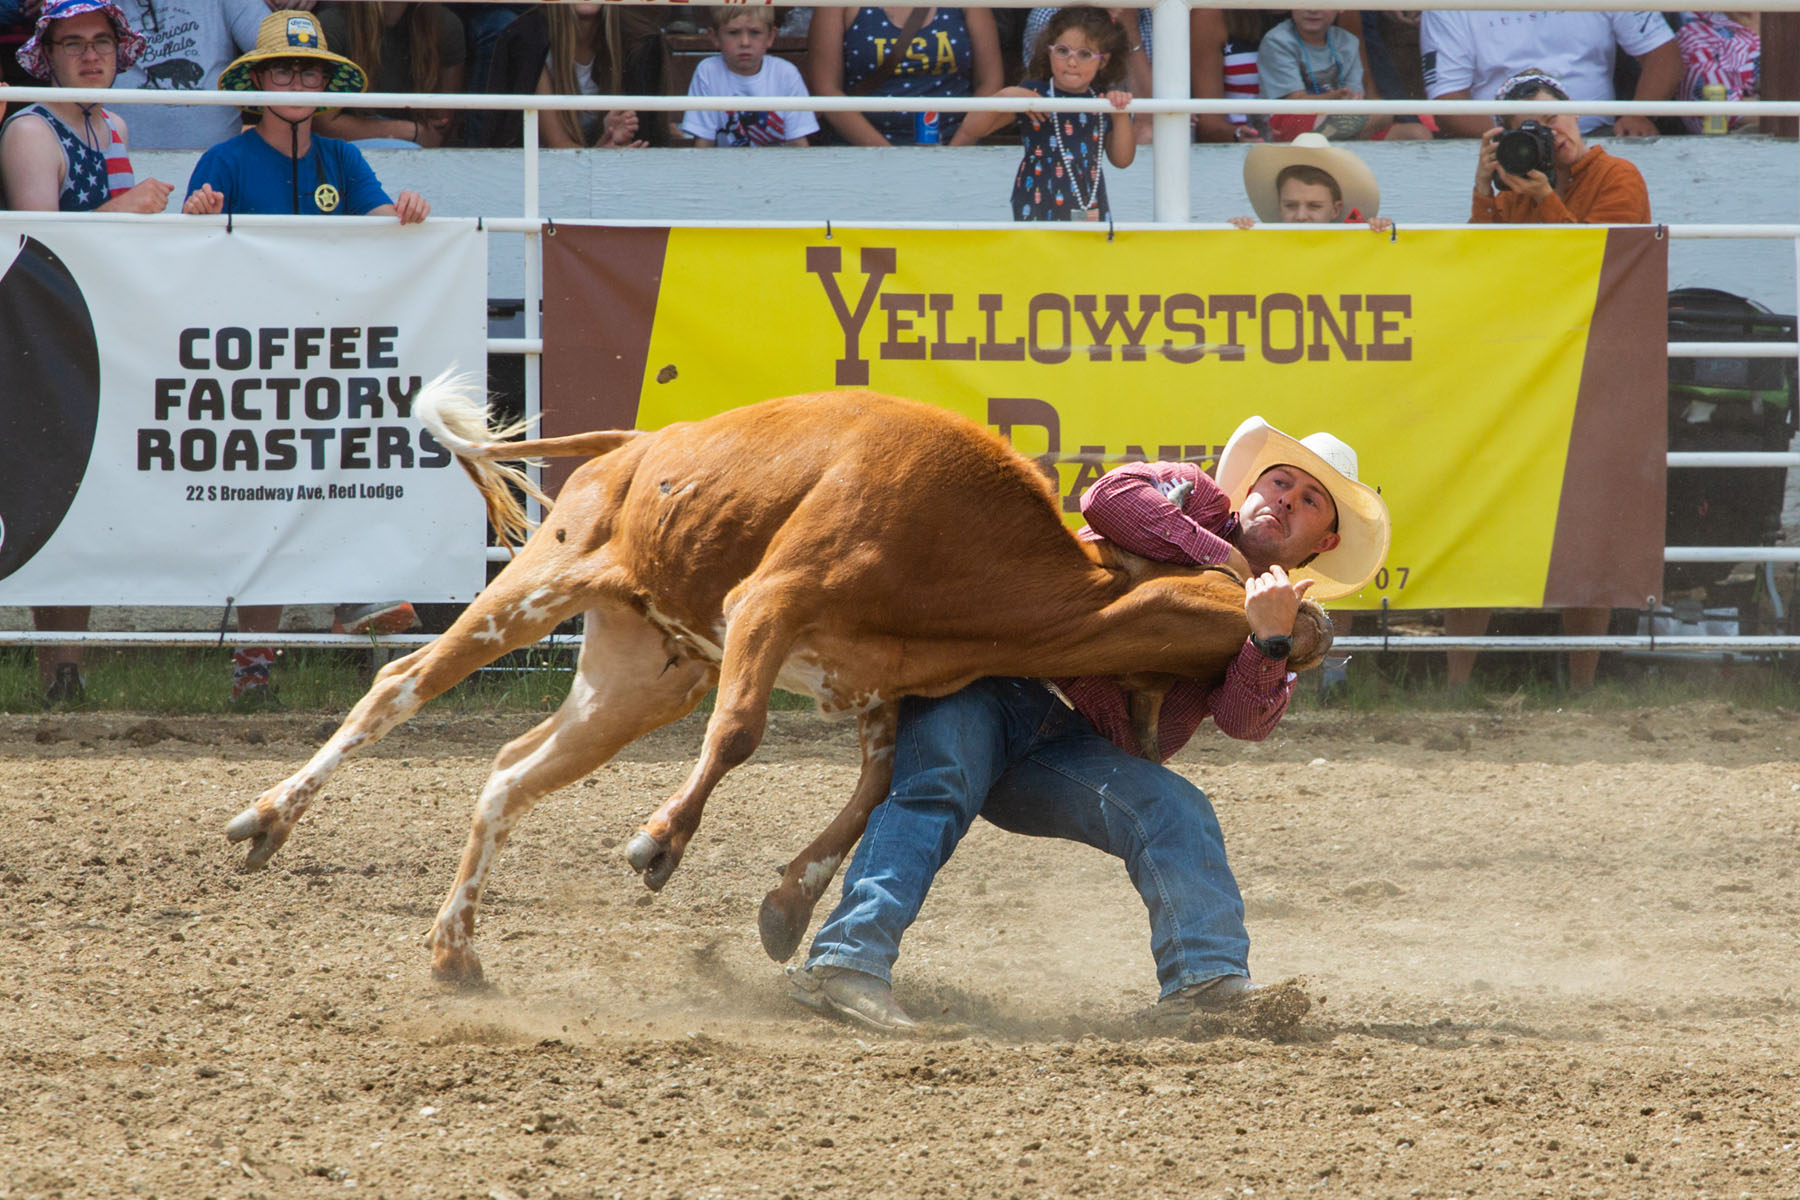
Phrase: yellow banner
[1453,361]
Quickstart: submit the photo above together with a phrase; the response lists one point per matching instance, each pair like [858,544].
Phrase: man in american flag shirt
[1059,758]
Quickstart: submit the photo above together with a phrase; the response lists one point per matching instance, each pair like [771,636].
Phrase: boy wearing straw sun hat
[280,166]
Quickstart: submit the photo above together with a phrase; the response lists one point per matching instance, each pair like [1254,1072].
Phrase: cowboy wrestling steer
[851,546]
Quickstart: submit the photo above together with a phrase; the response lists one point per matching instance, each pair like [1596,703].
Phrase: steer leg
[787,909]
[518,608]
[757,641]
[625,686]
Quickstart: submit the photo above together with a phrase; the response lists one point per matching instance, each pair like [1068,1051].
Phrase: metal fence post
[1172,131]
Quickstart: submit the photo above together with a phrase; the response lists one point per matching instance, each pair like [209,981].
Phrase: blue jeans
[1011,751]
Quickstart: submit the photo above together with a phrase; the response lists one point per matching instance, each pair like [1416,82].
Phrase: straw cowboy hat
[1265,162]
[288,35]
[34,55]
[1362,515]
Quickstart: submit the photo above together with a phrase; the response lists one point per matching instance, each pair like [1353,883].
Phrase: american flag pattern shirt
[777,77]
[1130,507]
[90,177]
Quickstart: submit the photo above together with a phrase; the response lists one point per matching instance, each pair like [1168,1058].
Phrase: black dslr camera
[1530,147]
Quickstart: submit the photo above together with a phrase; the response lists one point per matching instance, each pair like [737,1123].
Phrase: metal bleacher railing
[1171,108]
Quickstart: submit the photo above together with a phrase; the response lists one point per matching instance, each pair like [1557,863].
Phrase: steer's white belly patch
[801,672]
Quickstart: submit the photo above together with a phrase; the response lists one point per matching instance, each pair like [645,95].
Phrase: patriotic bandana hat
[34,55]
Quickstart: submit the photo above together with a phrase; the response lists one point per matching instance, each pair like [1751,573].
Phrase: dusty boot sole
[1274,1012]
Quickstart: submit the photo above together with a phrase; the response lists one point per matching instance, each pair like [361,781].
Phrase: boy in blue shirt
[279,165]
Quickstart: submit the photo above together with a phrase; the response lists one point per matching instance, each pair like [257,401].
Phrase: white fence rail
[1171,106]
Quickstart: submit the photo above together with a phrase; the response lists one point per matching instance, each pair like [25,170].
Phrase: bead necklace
[1093,193]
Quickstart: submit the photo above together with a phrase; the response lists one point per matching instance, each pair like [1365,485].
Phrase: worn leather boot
[854,995]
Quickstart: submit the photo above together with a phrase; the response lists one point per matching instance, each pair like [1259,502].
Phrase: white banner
[189,413]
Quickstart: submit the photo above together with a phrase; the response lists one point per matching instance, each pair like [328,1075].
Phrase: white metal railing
[1171,109]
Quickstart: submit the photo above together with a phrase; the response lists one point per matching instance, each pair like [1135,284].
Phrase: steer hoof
[650,858]
[266,836]
[782,922]
[459,967]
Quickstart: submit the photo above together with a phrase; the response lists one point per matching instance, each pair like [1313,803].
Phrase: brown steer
[851,546]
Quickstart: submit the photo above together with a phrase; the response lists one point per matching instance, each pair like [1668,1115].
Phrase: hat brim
[346,76]
[1363,526]
[1265,162]
[32,57]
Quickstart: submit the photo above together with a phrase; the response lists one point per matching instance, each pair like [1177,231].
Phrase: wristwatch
[1278,647]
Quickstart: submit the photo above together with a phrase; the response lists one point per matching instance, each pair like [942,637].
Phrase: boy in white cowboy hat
[1059,758]
[1308,181]
[280,166]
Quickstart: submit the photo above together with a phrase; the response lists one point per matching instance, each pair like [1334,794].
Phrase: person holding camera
[1537,171]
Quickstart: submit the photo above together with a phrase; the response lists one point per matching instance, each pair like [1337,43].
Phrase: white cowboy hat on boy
[1362,525]
[1267,161]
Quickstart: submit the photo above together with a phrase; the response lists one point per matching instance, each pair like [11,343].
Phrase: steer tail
[452,415]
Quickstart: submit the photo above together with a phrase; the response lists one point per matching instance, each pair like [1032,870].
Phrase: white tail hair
[466,427]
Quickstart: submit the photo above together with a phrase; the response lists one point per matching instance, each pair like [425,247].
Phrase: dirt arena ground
[1552,955]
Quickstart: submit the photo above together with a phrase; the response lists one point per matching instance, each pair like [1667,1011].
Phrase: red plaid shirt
[1129,507]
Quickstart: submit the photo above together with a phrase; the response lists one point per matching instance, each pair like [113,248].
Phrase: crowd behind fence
[1172,110]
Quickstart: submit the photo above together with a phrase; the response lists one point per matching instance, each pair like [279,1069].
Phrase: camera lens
[1516,152]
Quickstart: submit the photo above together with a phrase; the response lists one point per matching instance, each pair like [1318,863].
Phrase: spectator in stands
[280,166]
[579,60]
[744,67]
[1584,185]
[187,44]
[925,53]
[1083,52]
[401,48]
[1222,49]
[482,26]
[1136,23]
[1723,49]
[1309,55]
[577,42]
[1310,182]
[73,158]
[1467,54]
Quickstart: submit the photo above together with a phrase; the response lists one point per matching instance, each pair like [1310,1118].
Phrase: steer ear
[1312,637]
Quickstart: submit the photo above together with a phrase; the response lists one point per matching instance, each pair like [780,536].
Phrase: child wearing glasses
[68,156]
[280,166]
[1083,53]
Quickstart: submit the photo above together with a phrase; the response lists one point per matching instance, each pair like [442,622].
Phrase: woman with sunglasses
[1083,53]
